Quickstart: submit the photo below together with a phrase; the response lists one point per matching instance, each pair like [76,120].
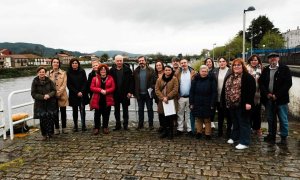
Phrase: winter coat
[77,83]
[203,95]
[171,92]
[281,86]
[120,94]
[43,108]
[96,89]
[91,75]
[61,86]
[248,88]
[149,80]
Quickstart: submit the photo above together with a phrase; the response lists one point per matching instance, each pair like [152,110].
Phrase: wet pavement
[133,154]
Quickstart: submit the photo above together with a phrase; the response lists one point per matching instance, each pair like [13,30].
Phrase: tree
[272,40]
[104,57]
[234,48]
[258,28]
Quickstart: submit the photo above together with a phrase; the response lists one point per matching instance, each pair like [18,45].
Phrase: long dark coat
[203,95]
[120,94]
[77,82]
[43,108]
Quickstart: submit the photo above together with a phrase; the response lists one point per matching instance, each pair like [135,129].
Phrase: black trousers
[167,121]
[47,126]
[63,117]
[255,118]
[118,113]
[75,115]
[104,112]
[223,113]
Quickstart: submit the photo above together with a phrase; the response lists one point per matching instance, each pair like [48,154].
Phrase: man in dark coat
[143,91]
[275,82]
[123,78]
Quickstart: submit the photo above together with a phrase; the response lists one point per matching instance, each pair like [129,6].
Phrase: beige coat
[171,92]
[61,85]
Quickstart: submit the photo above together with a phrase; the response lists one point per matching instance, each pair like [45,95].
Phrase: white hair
[204,67]
[119,57]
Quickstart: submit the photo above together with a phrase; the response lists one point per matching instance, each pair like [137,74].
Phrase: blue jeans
[241,126]
[281,111]
[145,99]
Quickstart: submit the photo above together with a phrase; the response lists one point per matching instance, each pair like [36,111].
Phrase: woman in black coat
[202,100]
[45,108]
[78,97]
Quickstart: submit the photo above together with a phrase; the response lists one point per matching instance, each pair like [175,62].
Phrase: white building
[292,38]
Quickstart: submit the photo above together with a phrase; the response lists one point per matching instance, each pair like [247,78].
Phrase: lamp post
[251,8]
[214,51]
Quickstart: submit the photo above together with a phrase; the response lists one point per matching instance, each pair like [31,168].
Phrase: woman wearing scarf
[166,88]
[238,97]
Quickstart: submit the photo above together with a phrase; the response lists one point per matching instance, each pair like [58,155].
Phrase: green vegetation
[196,64]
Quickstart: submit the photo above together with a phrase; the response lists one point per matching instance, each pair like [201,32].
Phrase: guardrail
[10,108]
[2,119]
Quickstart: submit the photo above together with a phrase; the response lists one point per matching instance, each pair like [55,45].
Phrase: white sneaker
[230,141]
[241,146]
[213,125]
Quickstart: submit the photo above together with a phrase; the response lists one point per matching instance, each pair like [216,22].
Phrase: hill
[41,50]
[112,53]
[38,49]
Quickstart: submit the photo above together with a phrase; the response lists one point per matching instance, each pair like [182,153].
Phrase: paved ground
[142,155]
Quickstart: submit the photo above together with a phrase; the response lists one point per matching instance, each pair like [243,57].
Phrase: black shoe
[208,137]
[83,129]
[75,129]
[151,128]
[117,128]
[190,134]
[160,130]
[270,139]
[126,128]
[178,133]
[283,141]
[139,128]
[198,136]
[163,135]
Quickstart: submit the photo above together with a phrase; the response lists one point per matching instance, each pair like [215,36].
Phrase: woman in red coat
[103,88]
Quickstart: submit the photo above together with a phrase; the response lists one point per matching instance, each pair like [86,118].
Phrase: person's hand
[103,92]
[129,95]
[248,106]
[274,97]
[46,96]
[165,99]
[191,106]
[79,94]
[270,96]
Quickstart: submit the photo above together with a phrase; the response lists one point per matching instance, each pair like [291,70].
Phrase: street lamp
[214,51]
[251,8]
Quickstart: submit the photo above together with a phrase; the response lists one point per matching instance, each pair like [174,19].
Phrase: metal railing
[2,119]
[11,107]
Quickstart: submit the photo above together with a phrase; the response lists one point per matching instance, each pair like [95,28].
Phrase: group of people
[236,92]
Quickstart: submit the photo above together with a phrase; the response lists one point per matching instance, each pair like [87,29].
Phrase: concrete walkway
[142,155]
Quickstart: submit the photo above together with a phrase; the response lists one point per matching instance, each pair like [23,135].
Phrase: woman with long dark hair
[78,96]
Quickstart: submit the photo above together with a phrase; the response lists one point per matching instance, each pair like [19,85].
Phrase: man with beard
[143,91]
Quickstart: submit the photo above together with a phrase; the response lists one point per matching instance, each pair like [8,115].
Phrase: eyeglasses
[236,65]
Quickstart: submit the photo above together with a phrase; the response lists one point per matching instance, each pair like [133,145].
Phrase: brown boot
[105,131]
[96,131]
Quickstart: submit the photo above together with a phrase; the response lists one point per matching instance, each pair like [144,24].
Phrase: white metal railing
[10,108]
[2,119]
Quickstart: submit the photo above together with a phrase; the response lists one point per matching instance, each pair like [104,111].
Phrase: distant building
[5,52]
[20,60]
[292,38]
[64,57]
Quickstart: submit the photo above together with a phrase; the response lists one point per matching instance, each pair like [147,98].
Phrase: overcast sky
[137,26]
